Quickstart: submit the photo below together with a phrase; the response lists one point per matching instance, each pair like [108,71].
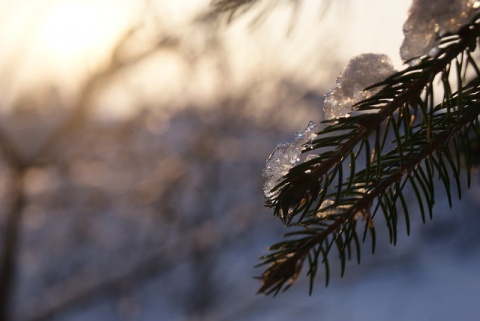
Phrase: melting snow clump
[322,211]
[284,157]
[361,72]
[429,19]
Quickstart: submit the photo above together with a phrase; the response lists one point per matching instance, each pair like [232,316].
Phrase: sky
[55,43]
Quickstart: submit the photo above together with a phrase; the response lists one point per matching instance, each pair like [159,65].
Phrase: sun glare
[66,31]
[74,27]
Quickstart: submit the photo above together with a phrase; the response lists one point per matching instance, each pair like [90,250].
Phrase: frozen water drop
[429,19]
[284,157]
[361,72]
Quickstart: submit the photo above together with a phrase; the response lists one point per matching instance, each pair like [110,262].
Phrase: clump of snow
[323,211]
[361,72]
[429,19]
[311,156]
[327,207]
[284,157]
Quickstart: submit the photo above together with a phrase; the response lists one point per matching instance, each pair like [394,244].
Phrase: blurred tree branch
[83,287]
[118,61]
[232,9]
[78,115]
[10,237]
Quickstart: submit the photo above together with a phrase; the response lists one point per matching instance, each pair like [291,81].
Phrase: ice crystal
[361,72]
[284,157]
[429,19]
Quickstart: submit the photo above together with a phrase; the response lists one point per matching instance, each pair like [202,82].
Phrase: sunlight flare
[74,28]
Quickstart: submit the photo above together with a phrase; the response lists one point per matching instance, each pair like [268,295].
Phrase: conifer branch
[396,138]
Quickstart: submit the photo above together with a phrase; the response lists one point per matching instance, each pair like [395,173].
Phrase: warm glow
[74,27]
[66,31]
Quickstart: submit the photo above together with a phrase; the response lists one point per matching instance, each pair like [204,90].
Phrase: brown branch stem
[11,234]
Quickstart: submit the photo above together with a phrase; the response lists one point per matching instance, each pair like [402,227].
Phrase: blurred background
[133,135]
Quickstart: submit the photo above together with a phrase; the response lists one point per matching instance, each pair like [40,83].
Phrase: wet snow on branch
[284,157]
[361,72]
[429,19]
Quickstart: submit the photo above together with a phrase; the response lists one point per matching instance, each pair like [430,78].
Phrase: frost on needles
[361,72]
[427,21]
[284,157]
[364,162]
[430,19]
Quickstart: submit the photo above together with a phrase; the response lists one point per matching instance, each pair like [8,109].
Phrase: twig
[10,242]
